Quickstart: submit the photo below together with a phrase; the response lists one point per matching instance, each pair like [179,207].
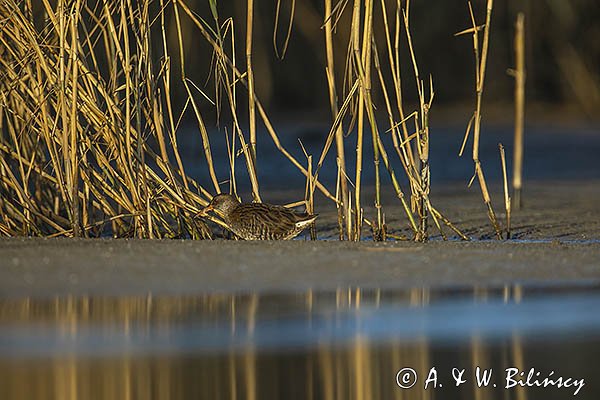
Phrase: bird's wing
[278,221]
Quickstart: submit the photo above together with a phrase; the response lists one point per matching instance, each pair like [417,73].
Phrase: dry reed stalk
[519,75]
[362,80]
[339,132]
[63,112]
[250,80]
[400,147]
[241,77]
[131,164]
[232,155]
[421,186]
[233,86]
[337,123]
[309,197]
[166,81]
[286,42]
[82,153]
[405,152]
[362,61]
[507,200]
[361,54]
[358,61]
[401,141]
[339,202]
[74,162]
[480,68]
[200,120]
[229,88]
[378,231]
[77,133]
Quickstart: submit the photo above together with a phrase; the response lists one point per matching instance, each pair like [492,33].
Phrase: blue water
[346,344]
[551,153]
[283,322]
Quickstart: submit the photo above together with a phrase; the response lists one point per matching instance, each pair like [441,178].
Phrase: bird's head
[222,204]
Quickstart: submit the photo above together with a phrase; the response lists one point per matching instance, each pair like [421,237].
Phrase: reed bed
[89,130]
[89,142]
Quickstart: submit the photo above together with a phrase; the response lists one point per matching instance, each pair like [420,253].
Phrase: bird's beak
[205,210]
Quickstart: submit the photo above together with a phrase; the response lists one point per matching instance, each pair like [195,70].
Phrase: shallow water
[343,344]
[553,152]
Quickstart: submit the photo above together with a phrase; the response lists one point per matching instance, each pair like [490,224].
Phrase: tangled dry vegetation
[88,143]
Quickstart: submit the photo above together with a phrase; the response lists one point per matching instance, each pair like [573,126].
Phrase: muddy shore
[556,239]
[118,267]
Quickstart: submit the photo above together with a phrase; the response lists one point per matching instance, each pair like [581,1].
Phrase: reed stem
[250,80]
[339,132]
[519,75]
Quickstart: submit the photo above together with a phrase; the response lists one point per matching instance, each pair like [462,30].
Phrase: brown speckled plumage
[259,221]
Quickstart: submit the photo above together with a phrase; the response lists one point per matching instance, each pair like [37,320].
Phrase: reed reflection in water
[345,344]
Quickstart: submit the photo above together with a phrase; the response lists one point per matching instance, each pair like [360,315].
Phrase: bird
[258,221]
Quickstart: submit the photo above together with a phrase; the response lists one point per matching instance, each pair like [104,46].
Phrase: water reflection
[345,344]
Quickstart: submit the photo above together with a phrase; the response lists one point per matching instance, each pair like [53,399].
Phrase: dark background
[562,52]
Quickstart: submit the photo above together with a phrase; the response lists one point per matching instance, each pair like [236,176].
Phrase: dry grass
[89,131]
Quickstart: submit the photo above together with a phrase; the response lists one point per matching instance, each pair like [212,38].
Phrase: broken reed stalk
[519,75]
[480,68]
[339,132]
[507,205]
